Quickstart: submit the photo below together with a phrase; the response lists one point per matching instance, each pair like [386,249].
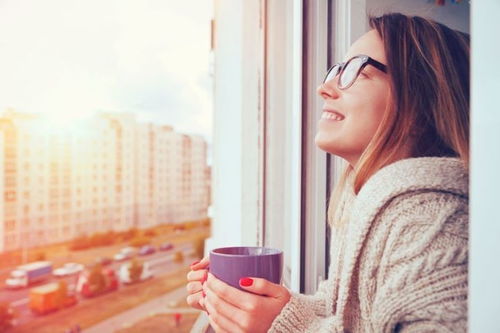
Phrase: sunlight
[64,118]
[92,160]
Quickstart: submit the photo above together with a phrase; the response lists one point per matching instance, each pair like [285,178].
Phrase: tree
[135,270]
[179,257]
[40,256]
[139,241]
[206,222]
[80,243]
[6,317]
[97,280]
[130,234]
[102,238]
[62,293]
[199,247]
[150,233]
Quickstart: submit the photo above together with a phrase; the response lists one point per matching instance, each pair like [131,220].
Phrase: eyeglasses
[350,70]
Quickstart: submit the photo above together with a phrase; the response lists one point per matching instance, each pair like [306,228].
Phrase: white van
[124,272]
[125,253]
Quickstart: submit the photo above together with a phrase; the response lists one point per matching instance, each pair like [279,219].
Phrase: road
[145,310]
[160,263]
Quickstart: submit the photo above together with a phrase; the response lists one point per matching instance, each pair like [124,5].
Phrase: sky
[71,58]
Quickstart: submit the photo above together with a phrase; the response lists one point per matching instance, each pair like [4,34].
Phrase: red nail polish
[246,282]
[203,294]
[194,263]
[204,279]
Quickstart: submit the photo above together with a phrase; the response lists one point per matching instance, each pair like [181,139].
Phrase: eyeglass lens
[348,74]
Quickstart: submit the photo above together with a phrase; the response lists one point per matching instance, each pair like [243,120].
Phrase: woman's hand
[196,277]
[233,310]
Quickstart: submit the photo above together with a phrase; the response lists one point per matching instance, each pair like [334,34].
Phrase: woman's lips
[332,115]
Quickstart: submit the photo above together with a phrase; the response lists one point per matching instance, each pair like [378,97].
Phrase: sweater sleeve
[310,313]
[306,313]
[422,278]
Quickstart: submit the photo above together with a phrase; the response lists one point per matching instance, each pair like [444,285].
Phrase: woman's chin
[330,146]
[325,144]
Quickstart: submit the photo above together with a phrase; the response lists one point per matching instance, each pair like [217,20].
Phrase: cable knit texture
[399,263]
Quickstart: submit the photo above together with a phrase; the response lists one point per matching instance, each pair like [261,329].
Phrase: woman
[398,111]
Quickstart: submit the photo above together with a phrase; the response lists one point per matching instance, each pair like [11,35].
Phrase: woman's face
[362,105]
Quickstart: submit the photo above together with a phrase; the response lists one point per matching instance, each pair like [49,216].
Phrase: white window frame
[296,156]
[314,173]
[282,98]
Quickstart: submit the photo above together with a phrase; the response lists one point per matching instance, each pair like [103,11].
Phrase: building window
[10,225]
[10,196]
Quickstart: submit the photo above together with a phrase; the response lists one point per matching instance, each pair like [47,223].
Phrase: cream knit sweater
[400,262]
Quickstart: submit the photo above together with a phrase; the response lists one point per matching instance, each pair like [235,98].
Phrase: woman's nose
[328,90]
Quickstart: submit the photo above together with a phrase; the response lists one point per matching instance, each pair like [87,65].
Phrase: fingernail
[203,294]
[204,279]
[246,282]
[194,263]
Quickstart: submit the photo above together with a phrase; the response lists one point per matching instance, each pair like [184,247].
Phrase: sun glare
[64,119]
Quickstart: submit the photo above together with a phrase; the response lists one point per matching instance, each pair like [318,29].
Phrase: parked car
[166,246]
[125,253]
[104,261]
[28,274]
[146,250]
[121,256]
[124,273]
[68,269]
[48,298]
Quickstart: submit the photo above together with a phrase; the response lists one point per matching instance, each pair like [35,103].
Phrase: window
[283,179]
[10,225]
[102,163]
[10,181]
[295,170]
[279,132]
[10,209]
[10,196]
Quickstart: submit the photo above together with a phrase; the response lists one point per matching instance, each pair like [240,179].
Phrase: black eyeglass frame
[365,60]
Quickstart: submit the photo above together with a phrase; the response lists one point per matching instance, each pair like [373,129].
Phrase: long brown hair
[428,66]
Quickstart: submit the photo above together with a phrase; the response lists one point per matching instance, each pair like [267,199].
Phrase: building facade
[109,172]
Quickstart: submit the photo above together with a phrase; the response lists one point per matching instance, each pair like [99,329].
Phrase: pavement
[162,304]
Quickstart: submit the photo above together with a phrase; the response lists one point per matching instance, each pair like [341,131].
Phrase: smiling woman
[399,216]
[360,93]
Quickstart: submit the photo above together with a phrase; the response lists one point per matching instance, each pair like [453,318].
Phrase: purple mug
[230,264]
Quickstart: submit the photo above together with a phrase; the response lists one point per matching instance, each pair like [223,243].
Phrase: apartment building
[109,172]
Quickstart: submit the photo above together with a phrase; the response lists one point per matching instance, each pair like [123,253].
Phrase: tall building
[106,173]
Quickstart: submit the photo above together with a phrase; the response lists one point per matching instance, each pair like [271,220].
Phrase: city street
[148,309]
[161,263]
